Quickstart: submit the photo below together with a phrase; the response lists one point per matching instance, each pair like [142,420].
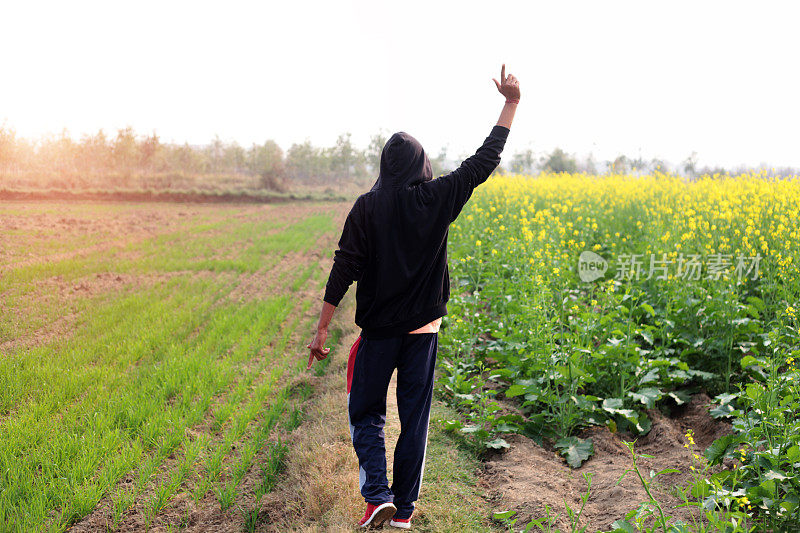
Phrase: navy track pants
[369,370]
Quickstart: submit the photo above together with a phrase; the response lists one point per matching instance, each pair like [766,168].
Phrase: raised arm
[454,189]
[510,89]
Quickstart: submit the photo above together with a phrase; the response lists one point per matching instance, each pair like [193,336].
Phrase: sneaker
[402,523]
[376,515]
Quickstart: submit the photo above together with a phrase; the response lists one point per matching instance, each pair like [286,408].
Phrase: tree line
[126,154]
[111,159]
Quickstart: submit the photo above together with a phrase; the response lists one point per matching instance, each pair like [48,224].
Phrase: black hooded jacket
[394,241]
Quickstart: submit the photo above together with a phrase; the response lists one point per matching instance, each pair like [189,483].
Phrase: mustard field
[584,301]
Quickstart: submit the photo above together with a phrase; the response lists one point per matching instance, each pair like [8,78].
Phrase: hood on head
[403,163]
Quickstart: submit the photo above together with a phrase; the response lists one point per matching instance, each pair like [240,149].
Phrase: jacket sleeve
[454,189]
[350,258]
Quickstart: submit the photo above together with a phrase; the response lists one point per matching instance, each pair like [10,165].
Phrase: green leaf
[612,404]
[702,374]
[721,448]
[754,392]
[516,390]
[788,506]
[575,450]
[497,444]
[648,396]
[503,515]
[510,418]
[681,397]
[649,308]
[726,398]
[772,474]
[653,376]
[793,454]
[721,411]
[622,525]
[537,428]
[643,424]
[748,360]
[678,527]
[756,302]
[766,488]
[453,425]
[584,403]
[725,407]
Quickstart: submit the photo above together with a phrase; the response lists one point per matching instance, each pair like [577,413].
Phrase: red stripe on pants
[351,363]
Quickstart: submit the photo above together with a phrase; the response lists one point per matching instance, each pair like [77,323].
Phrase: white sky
[661,79]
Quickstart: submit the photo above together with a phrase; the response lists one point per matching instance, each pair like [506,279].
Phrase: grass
[142,367]
[450,492]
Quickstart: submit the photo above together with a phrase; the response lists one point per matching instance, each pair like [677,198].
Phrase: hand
[316,347]
[509,86]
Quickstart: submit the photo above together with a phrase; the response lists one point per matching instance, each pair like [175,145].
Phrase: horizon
[602,166]
[712,79]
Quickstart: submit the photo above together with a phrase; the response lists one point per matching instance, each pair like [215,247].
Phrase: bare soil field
[256,197]
[528,478]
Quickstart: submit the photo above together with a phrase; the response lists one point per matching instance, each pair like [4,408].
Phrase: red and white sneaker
[376,515]
[402,523]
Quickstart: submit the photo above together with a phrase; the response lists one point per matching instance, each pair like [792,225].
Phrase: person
[394,245]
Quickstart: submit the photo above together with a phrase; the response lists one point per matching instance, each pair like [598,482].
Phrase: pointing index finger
[503,74]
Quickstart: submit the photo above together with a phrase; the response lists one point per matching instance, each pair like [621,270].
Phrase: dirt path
[319,490]
[320,487]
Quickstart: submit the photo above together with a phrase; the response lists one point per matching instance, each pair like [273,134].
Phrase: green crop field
[149,352]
